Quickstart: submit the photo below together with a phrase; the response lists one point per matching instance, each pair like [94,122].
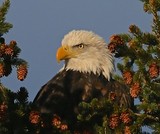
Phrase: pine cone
[153,3]
[34,117]
[116,39]
[56,121]
[64,127]
[9,51]
[113,121]
[12,44]
[2,70]
[134,29]
[22,72]
[135,90]
[127,130]
[128,77]
[2,49]
[125,117]
[154,70]
[3,111]
[112,47]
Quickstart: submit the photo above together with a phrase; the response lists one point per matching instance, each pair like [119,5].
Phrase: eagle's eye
[80,46]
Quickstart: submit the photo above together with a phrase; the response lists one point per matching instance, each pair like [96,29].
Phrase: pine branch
[147,116]
[4,26]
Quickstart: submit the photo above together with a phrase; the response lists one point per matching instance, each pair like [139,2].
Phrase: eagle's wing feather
[62,94]
[52,97]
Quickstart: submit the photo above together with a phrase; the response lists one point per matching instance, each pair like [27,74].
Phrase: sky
[39,27]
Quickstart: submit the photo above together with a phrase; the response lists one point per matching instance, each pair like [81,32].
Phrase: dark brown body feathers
[62,94]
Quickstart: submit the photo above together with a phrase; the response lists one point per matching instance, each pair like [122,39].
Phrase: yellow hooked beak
[64,53]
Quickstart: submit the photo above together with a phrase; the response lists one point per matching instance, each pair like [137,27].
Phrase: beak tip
[61,54]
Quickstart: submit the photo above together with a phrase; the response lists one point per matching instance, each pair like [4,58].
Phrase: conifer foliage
[9,53]
[140,68]
[13,106]
[139,64]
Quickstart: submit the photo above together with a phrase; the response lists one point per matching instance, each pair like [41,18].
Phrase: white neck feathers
[101,64]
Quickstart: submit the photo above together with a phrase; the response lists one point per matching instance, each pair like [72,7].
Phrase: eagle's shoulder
[122,93]
[70,87]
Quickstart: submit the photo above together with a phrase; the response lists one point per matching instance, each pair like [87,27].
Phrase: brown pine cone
[114,121]
[154,70]
[22,72]
[127,130]
[56,121]
[2,49]
[125,117]
[112,47]
[153,3]
[134,29]
[64,127]
[2,70]
[128,77]
[12,44]
[9,51]
[135,90]
[34,117]
[116,39]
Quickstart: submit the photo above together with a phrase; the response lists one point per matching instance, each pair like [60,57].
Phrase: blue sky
[39,26]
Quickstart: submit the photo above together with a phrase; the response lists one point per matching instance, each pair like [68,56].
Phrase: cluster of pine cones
[124,117]
[9,57]
[153,71]
[35,118]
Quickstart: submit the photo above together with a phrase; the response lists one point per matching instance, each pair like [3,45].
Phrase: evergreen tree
[13,106]
[140,70]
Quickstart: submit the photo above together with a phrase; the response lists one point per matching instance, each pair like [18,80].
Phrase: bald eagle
[87,74]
